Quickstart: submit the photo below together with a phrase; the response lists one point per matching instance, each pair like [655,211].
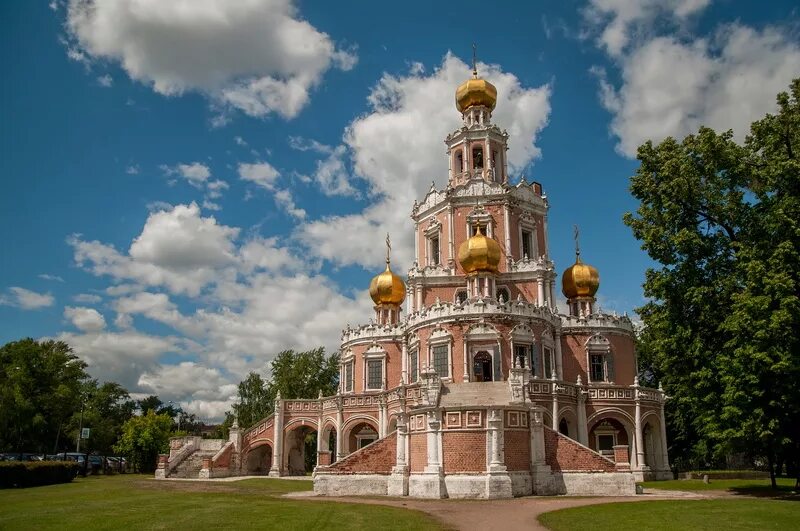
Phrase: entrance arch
[358,434]
[299,450]
[482,366]
[258,460]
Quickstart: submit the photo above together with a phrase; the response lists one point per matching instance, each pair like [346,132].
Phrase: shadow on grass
[783,492]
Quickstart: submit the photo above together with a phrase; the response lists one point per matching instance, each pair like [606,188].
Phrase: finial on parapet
[579,381]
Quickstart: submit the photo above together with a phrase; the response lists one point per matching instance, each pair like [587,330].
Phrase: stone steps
[191,466]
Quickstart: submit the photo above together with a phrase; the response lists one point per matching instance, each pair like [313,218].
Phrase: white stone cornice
[596,323]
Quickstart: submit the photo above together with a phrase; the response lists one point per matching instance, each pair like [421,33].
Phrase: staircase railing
[180,456]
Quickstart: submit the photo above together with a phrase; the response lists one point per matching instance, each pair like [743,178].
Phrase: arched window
[502,295]
[563,427]
[477,158]
[461,296]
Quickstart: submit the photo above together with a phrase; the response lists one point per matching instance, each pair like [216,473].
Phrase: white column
[451,252]
[551,283]
[664,452]
[402,435]
[466,162]
[416,243]
[583,429]
[384,419]
[339,434]
[404,361]
[507,222]
[540,291]
[555,404]
[559,358]
[434,424]
[495,436]
[277,438]
[418,298]
[546,239]
[466,362]
[638,425]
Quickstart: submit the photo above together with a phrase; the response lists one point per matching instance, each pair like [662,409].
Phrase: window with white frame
[547,358]
[348,377]
[434,255]
[374,374]
[527,244]
[600,359]
[441,362]
[522,355]
[502,294]
[413,365]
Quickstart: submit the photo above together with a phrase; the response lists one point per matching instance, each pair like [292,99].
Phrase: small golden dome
[580,280]
[479,253]
[387,288]
[475,91]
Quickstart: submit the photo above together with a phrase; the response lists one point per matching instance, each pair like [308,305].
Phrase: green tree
[256,401]
[721,220]
[106,409]
[40,389]
[294,375]
[143,438]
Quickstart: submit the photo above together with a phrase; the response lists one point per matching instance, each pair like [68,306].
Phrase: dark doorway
[482,366]
[563,427]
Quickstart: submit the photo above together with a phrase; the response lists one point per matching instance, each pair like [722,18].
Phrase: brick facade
[517,450]
[564,454]
[464,451]
[376,458]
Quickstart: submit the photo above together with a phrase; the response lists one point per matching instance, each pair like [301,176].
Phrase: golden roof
[479,253]
[475,91]
[580,280]
[386,287]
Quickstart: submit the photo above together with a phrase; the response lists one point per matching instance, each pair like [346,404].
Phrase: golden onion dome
[475,91]
[387,288]
[479,253]
[580,280]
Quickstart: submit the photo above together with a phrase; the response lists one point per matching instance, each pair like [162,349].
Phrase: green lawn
[743,486]
[685,515]
[140,502]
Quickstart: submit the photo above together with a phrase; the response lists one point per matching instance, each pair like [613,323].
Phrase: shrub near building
[36,473]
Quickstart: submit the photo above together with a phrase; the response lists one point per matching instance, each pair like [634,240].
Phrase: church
[478,387]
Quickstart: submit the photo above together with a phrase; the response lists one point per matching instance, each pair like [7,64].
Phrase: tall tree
[41,387]
[294,375]
[720,330]
[143,438]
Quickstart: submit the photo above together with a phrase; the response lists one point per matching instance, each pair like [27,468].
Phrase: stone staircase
[191,466]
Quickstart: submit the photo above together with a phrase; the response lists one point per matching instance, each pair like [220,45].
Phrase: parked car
[20,456]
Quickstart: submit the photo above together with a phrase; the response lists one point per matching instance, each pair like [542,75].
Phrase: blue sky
[191,187]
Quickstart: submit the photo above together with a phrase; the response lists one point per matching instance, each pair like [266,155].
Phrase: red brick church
[479,387]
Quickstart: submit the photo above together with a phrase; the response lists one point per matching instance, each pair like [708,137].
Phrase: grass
[686,515]
[140,502]
[759,487]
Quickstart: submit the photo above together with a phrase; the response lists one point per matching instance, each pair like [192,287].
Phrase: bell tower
[477,150]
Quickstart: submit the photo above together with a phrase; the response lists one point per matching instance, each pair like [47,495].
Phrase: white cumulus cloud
[26,299]
[396,148]
[85,319]
[258,56]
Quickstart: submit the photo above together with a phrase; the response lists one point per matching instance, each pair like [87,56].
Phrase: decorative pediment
[598,343]
[482,331]
[522,331]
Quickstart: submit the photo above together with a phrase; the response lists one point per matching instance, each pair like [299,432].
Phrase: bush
[36,473]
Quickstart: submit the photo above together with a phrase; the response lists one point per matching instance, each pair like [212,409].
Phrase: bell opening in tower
[482,366]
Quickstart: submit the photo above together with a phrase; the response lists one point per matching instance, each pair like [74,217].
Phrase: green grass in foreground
[745,486]
[684,515]
[140,502]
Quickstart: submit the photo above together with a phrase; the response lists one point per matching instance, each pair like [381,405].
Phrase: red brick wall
[418,451]
[517,450]
[377,458]
[564,454]
[464,452]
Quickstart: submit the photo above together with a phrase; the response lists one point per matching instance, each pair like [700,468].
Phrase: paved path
[500,515]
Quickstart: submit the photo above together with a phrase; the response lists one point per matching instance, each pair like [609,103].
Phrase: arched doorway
[608,432]
[300,451]
[360,435]
[258,460]
[563,427]
[327,446]
[482,366]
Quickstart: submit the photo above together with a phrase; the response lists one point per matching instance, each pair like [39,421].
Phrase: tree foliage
[143,438]
[294,375]
[721,220]
[41,386]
